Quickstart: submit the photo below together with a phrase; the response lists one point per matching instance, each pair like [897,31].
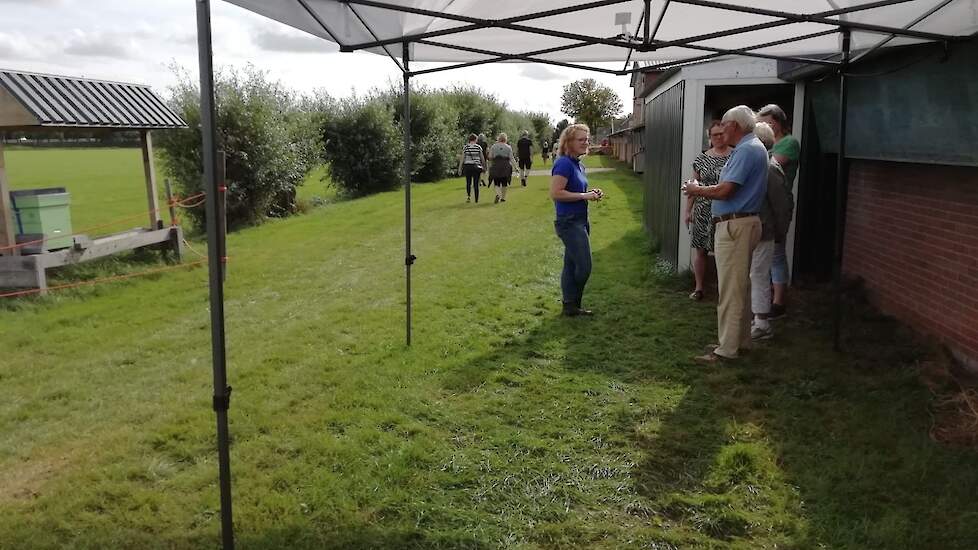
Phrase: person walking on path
[471,165]
[524,149]
[568,190]
[699,219]
[786,151]
[501,164]
[484,143]
[775,217]
[545,152]
[737,200]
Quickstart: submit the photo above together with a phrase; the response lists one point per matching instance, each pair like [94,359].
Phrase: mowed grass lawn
[107,185]
[503,426]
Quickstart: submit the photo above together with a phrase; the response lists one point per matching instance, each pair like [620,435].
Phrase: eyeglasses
[716,135]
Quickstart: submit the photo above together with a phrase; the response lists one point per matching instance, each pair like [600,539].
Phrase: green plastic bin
[44,211]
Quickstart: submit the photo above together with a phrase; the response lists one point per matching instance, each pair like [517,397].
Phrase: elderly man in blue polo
[737,200]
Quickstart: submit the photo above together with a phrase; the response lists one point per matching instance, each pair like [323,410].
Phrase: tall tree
[590,102]
[560,128]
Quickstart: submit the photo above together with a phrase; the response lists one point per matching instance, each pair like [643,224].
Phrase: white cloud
[540,72]
[275,40]
[16,46]
[102,44]
[37,3]
[136,41]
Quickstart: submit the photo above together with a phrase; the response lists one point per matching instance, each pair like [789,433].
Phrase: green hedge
[273,139]
[270,145]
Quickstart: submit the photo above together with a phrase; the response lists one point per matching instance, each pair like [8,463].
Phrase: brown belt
[733,216]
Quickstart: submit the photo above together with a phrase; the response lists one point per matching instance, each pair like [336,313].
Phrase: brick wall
[912,236]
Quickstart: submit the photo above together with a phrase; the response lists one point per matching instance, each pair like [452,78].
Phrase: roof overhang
[33,100]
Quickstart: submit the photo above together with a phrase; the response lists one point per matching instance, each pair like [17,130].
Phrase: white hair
[765,133]
[743,116]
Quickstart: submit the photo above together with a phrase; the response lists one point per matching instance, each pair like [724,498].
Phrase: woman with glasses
[568,189]
[699,220]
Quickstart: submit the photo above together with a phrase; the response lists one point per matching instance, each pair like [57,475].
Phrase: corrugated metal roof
[60,101]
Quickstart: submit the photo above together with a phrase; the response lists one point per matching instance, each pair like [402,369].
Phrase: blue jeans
[574,230]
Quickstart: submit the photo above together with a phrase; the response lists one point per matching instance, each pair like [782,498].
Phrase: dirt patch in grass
[24,481]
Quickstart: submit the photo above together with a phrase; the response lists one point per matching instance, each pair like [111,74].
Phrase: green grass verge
[504,426]
[107,184]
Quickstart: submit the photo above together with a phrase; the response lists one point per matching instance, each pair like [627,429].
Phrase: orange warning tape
[100,280]
[174,202]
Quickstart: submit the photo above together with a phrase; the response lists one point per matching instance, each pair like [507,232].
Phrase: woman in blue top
[568,189]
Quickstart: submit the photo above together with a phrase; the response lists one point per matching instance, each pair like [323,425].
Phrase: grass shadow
[794,445]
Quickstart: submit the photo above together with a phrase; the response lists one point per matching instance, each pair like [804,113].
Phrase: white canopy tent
[662,33]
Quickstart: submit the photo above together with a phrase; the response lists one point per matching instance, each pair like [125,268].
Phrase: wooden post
[8,238]
[146,140]
[169,201]
[176,234]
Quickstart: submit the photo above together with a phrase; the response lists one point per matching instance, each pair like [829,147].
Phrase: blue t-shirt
[747,167]
[570,168]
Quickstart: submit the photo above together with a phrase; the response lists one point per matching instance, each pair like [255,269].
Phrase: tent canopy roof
[670,32]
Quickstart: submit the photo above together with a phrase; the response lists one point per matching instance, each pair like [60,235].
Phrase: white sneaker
[758,333]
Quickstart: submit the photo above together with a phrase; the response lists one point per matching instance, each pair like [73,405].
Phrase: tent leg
[406,121]
[841,190]
[8,236]
[215,256]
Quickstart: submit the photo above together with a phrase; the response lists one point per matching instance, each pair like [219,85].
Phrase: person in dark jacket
[524,150]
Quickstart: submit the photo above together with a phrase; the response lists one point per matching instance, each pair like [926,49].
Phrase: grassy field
[107,184]
[504,426]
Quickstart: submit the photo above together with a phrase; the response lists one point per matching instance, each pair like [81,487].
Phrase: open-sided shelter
[39,102]
[666,33]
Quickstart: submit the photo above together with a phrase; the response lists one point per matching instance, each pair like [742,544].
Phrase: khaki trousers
[734,245]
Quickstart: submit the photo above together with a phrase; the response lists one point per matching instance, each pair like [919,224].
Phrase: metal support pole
[406,122]
[841,190]
[216,256]
[646,38]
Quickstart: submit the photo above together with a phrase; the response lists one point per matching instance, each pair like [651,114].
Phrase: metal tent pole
[406,122]
[216,256]
[841,189]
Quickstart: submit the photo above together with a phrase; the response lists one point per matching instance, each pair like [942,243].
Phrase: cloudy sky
[141,40]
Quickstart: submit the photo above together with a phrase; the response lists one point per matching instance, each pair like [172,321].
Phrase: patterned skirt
[702,229]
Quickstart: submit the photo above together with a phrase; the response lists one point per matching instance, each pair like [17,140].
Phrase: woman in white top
[471,165]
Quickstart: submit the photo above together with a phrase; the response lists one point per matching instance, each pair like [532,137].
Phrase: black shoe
[777,311]
[572,310]
[582,311]
[497,200]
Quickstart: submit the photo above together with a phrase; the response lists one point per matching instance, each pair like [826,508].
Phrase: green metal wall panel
[663,169]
